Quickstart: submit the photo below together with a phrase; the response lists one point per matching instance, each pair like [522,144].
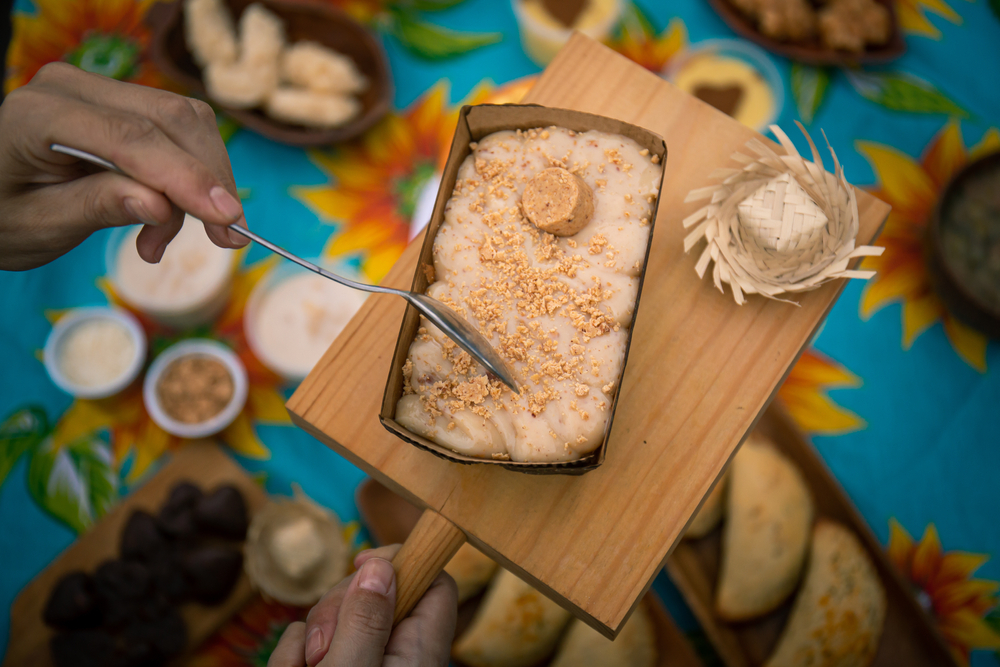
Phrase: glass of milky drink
[189,286]
[294,315]
[542,247]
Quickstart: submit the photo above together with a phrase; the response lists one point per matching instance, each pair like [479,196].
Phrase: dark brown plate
[909,637]
[304,20]
[813,52]
[390,518]
[960,300]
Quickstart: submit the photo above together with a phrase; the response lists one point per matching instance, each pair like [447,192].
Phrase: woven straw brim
[747,264]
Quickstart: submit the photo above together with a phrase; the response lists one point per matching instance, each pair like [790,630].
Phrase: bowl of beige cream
[95,352]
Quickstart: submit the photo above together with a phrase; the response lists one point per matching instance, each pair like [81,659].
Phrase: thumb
[365,620]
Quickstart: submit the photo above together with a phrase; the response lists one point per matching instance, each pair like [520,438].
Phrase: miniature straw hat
[779,224]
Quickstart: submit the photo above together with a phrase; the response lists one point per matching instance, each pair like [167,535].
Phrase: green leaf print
[75,483]
[19,434]
[900,91]
[434,42]
[809,86]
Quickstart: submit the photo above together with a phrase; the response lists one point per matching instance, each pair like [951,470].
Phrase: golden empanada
[471,569]
[585,647]
[838,615]
[769,514]
[516,626]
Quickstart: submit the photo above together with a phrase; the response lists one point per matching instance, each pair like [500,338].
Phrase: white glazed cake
[557,308]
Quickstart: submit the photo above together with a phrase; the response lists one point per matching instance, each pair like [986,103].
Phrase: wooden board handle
[427,550]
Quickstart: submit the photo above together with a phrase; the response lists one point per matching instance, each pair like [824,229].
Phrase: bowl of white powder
[95,352]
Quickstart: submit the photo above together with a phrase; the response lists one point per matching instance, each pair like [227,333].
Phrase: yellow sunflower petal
[956,565]
[946,154]
[268,405]
[912,20]
[85,417]
[901,547]
[905,184]
[152,442]
[918,315]
[941,9]
[969,631]
[975,595]
[815,412]
[990,143]
[815,369]
[903,282]
[969,343]
[927,557]
[242,439]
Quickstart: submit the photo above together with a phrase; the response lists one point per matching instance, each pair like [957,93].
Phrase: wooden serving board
[202,463]
[910,638]
[701,369]
[389,519]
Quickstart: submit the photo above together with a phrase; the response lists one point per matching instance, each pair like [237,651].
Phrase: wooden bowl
[960,300]
[813,52]
[303,20]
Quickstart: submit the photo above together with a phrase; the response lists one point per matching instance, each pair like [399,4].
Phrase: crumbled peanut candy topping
[530,275]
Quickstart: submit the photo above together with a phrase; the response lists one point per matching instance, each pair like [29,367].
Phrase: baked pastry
[516,626]
[557,308]
[635,645]
[764,541]
[851,25]
[710,514]
[471,569]
[838,616]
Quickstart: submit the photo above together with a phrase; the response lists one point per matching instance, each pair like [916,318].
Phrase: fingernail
[376,576]
[137,211]
[314,643]
[225,202]
[237,239]
[158,253]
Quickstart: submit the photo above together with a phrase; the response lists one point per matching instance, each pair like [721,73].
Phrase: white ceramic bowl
[274,277]
[76,317]
[748,53]
[198,347]
[200,311]
[542,42]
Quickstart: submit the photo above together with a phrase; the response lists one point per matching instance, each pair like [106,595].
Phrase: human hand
[168,145]
[352,624]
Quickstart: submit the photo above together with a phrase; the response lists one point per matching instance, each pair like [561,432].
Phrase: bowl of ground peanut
[195,388]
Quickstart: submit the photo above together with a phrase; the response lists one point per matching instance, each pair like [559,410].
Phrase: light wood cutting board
[701,369]
[203,463]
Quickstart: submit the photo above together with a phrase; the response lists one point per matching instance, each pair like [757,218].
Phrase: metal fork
[443,317]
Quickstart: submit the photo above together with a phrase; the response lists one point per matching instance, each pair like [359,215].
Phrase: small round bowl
[957,296]
[542,42]
[275,276]
[739,50]
[199,347]
[66,324]
[201,312]
[313,21]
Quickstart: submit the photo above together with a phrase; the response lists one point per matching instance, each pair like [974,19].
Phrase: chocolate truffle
[176,517]
[223,513]
[212,572]
[141,538]
[73,603]
[83,648]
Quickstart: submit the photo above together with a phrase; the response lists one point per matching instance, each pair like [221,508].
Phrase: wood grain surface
[390,519]
[909,637]
[701,370]
[202,463]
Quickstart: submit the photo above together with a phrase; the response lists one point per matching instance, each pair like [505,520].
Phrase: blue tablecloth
[900,398]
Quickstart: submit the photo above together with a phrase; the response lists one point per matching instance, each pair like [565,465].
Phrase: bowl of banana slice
[304,74]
